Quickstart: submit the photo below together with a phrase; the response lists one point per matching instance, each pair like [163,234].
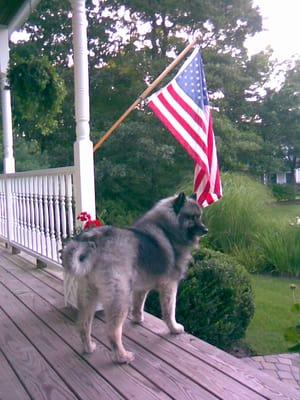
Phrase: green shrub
[215,301]
[245,225]
[114,212]
[284,192]
[279,243]
[251,257]
[234,222]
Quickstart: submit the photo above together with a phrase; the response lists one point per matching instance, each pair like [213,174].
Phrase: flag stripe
[188,145]
[180,134]
[181,121]
[182,106]
[196,110]
[199,177]
[188,118]
[179,130]
[197,115]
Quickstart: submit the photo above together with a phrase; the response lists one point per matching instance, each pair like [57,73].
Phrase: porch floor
[40,352]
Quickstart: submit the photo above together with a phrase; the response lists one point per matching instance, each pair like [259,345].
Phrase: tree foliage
[38,94]
[130,43]
[280,116]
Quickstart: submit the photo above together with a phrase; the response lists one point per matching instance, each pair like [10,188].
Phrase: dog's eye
[82,257]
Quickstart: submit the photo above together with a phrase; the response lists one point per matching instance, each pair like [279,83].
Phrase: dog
[118,267]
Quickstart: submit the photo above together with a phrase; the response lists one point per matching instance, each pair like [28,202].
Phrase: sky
[281,24]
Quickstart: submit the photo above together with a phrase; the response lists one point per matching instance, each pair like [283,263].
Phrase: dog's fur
[118,267]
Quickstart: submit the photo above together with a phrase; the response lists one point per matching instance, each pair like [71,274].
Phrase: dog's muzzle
[203,230]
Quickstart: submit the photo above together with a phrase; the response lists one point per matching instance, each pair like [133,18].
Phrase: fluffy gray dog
[118,267]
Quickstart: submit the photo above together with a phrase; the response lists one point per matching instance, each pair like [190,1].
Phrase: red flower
[89,222]
[92,224]
[84,216]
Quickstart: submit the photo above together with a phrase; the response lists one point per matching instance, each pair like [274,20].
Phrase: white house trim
[83,147]
[9,161]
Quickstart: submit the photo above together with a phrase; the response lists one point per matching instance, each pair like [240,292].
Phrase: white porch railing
[37,211]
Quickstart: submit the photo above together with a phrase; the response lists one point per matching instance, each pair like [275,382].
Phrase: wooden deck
[40,353]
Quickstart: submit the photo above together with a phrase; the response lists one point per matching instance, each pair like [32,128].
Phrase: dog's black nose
[204,230]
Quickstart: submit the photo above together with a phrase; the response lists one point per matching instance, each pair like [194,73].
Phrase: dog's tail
[77,257]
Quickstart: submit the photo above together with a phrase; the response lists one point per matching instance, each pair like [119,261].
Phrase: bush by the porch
[215,301]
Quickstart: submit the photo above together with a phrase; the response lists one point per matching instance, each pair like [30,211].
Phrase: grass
[285,212]
[273,301]
[249,225]
[273,314]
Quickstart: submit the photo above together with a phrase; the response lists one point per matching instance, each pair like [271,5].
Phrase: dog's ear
[193,197]
[179,202]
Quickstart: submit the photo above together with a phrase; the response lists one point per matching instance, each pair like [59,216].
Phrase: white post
[9,161]
[83,147]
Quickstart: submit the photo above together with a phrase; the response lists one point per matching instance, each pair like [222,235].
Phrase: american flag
[183,107]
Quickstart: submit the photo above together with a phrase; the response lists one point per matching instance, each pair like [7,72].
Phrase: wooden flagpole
[145,93]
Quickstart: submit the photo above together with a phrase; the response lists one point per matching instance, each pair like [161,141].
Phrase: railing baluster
[41,215]
[36,214]
[24,213]
[32,214]
[20,202]
[51,218]
[14,208]
[41,208]
[69,196]
[46,216]
[57,215]
[18,211]
[62,196]
[28,213]
[3,224]
[2,211]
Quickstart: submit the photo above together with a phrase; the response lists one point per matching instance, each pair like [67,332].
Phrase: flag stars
[192,82]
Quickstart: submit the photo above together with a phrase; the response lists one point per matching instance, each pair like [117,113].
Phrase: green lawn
[273,314]
[285,211]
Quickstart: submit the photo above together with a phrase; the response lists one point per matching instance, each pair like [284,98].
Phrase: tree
[280,116]
[130,43]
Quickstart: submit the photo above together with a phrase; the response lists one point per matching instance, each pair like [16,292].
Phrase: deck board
[34,372]
[161,374]
[67,364]
[10,386]
[127,380]
[166,367]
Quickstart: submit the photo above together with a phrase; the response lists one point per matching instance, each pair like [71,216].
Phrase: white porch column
[9,161]
[83,147]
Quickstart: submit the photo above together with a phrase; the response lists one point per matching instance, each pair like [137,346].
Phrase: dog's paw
[123,358]
[176,329]
[89,348]
[137,318]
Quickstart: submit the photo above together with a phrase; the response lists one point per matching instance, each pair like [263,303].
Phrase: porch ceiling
[9,9]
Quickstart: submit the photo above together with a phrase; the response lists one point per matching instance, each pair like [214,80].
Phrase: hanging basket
[38,93]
